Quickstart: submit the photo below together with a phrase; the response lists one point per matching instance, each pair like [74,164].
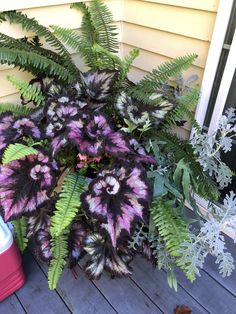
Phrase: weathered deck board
[81,296]
[34,295]
[11,305]
[154,283]
[146,292]
[209,293]
[125,296]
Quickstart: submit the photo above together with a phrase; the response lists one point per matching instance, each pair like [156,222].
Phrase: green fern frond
[34,63]
[102,20]
[20,227]
[89,33]
[16,110]
[184,108]
[72,39]
[28,91]
[59,252]
[126,64]
[162,74]
[30,24]
[17,151]
[68,204]
[172,228]
[106,59]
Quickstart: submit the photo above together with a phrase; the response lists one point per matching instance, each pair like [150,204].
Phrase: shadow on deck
[146,292]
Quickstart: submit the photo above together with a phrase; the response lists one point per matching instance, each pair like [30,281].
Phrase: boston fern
[91,163]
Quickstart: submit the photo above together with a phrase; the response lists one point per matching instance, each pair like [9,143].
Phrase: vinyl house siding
[161,29]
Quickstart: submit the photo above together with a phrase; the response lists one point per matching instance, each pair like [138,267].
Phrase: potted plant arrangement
[91,164]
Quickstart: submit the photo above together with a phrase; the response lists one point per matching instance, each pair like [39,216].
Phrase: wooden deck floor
[146,292]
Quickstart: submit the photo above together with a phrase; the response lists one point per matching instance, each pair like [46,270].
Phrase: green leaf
[17,110]
[17,151]
[34,63]
[20,227]
[59,251]
[28,91]
[68,204]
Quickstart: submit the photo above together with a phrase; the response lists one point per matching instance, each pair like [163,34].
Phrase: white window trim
[216,46]
[217,42]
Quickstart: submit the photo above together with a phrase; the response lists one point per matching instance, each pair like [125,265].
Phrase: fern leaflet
[59,252]
[30,24]
[162,74]
[102,20]
[17,151]
[34,63]
[20,227]
[68,204]
[17,110]
[172,228]
[28,91]
[187,104]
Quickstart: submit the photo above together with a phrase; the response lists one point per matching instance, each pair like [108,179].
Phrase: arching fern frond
[59,252]
[68,204]
[20,227]
[30,24]
[28,91]
[34,63]
[172,228]
[17,151]
[72,39]
[89,33]
[17,110]
[162,74]
[187,103]
[102,20]
[126,64]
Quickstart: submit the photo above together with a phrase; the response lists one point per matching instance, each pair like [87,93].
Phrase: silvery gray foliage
[210,240]
[164,259]
[208,148]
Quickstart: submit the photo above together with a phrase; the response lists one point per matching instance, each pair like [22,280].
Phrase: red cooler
[11,273]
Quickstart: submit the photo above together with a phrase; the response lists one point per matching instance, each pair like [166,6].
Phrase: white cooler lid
[6,238]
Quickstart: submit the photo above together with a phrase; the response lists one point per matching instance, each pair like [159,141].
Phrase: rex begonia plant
[90,163]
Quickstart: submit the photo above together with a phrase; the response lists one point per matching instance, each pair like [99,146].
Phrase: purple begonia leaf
[98,84]
[25,185]
[43,245]
[76,242]
[140,155]
[12,129]
[105,257]
[118,197]
[139,112]
[37,222]
[95,137]
[58,114]
[116,144]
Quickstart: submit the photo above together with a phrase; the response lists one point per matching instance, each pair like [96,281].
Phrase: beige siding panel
[168,44]
[13,98]
[56,15]
[136,74]
[24,4]
[187,22]
[181,132]
[6,87]
[147,61]
[206,5]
